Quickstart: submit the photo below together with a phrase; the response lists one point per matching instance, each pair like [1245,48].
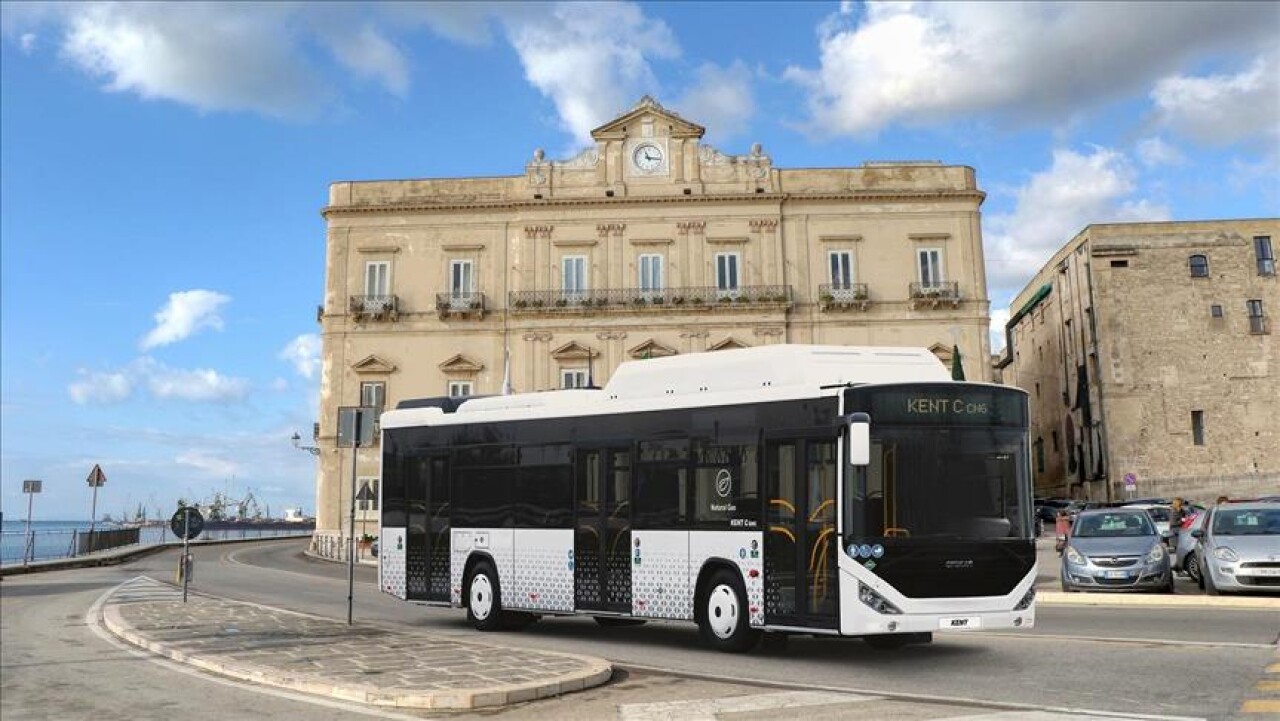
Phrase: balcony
[843,296]
[635,300]
[378,308]
[935,295]
[460,305]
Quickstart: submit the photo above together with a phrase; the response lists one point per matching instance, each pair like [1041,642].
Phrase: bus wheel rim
[481,597]
[722,611]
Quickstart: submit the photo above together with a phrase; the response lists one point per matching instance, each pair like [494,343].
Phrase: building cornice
[748,198]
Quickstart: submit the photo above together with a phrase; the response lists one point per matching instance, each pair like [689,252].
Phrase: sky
[163,168]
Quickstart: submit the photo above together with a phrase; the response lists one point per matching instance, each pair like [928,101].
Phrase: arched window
[1199,266]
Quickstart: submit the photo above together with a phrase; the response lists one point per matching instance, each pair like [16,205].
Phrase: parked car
[1159,514]
[1115,549]
[1047,508]
[1238,548]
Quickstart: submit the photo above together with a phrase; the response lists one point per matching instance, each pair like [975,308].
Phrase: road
[1179,662]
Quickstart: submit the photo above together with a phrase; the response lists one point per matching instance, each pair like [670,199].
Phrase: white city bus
[850,491]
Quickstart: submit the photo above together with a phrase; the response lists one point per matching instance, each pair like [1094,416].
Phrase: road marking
[709,709]
[1114,639]
[1029,716]
[1269,685]
[1273,668]
[1260,706]
[93,619]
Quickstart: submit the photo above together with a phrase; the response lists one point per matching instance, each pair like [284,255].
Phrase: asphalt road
[1180,662]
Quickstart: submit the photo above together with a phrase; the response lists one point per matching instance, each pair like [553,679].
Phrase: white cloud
[1222,109]
[999,316]
[367,53]
[200,384]
[721,99]
[1154,152]
[1053,206]
[590,59]
[27,42]
[101,388]
[304,353]
[186,312]
[929,63]
[209,464]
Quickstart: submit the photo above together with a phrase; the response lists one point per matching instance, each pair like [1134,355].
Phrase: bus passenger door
[427,539]
[800,539]
[602,531]
[439,533]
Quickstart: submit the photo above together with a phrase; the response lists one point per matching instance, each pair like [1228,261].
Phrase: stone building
[648,243]
[1149,353]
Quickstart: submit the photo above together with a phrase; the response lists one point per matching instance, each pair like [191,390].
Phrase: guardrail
[19,547]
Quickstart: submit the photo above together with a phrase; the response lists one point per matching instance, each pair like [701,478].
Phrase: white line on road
[1121,639]
[709,709]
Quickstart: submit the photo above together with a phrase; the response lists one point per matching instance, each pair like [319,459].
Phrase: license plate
[1116,574]
[960,623]
[1260,571]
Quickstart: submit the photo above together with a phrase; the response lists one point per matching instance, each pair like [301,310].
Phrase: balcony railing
[843,296]
[460,304]
[638,299]
[374,307]
[946,292]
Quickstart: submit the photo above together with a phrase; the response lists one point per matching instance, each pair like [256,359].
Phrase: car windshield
[1247,522]
[1111,525]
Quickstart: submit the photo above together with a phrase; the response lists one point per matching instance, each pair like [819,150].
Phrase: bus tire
[616,622]
[723,619]
[484,598]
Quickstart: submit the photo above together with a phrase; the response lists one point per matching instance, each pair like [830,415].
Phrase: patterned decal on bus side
[497,543]
[660,575]
[744,548]
[544,570]
[391,562]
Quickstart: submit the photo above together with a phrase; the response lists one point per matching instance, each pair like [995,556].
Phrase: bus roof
[743,375]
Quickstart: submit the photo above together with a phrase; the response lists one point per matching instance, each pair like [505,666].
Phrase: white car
[1238,548]
[1159,514]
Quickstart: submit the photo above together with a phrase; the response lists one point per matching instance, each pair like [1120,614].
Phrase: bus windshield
[939,483]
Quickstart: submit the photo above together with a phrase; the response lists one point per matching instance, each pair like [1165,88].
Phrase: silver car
[1184,554]
[1239,548]
[1115,549]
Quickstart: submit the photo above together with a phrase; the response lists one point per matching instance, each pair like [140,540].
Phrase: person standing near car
[1177,514]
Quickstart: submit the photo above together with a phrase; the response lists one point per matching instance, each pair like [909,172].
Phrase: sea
[56,539]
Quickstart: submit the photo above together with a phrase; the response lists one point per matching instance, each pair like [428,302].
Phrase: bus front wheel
[484,604]
[723,619]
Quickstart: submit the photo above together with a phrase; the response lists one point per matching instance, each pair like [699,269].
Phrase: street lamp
[297,443]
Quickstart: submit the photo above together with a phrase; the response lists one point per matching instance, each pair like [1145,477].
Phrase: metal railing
[836,296]
[632,299]
[374,307]
[945,291]
[455,303]
[19,547]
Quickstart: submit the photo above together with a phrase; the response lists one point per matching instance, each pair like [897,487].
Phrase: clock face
[647,158]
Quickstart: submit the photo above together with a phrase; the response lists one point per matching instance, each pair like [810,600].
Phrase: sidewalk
[316,655]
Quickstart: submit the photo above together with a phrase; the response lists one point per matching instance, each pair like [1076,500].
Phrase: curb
[597,672]
[1058,598]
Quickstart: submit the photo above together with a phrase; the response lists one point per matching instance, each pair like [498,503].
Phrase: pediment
[373,364]
[651,349]
[729,343]
[943,352]
[573,350]
[461,364]
[648,107]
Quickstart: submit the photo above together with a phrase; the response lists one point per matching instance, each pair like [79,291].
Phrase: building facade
[648,243]
[1149,353]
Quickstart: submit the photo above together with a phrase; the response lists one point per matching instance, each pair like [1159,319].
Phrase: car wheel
[1066,588]
[723,617]
[1192,567]
[484,598]
[1208,586]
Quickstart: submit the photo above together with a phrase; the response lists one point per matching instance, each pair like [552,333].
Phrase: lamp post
[297,443]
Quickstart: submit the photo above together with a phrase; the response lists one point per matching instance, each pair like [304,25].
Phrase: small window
[573,377]
[1119,264]
[1197,427]
[1199,266]
[930,267]
[574,275]
[1039,452]
[1215,311]
[651,272]
[373,395]
[1266,257]
[841,269]
[460,389]
[1257,320]
[727,273]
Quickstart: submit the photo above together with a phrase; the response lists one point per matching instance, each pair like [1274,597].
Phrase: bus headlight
[875,601]
[1026,601]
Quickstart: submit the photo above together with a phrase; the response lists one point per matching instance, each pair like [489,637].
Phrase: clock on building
[648,158]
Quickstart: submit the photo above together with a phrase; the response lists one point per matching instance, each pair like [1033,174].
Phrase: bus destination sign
[940,405]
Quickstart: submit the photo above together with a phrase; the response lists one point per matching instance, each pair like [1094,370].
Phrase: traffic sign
[366,493]
[1130,481]
[97,477]
[187,523]
[31,486]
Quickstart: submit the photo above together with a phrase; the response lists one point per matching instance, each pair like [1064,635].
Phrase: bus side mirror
[860,439]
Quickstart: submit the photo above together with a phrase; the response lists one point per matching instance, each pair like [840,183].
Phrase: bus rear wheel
[484,598]
[722,618]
